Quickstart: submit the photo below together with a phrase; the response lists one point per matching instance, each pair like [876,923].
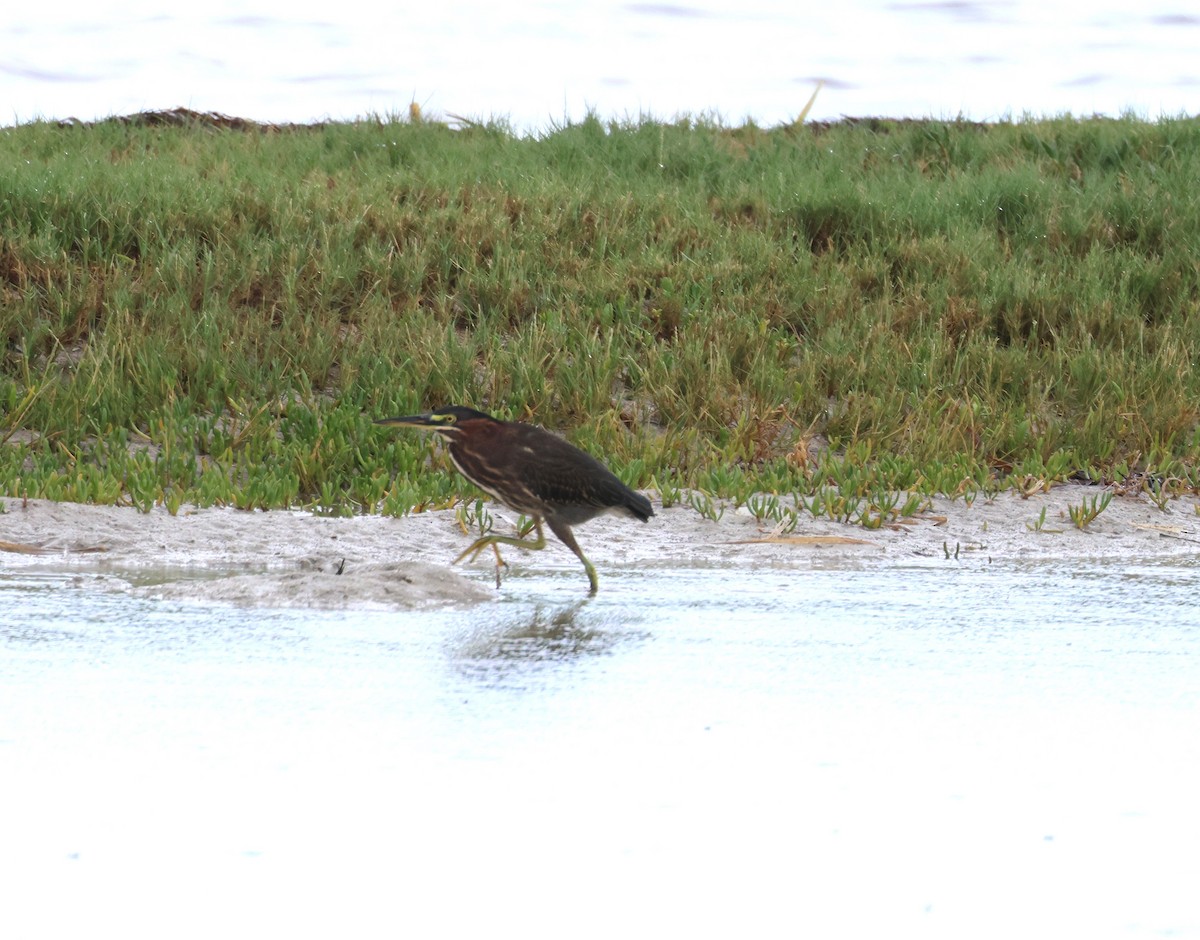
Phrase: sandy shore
[290,558]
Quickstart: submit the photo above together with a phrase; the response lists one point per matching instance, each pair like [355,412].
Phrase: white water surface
[939,751]
[540,63]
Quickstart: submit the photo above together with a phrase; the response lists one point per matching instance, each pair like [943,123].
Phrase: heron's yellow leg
[562,531]
[472,551]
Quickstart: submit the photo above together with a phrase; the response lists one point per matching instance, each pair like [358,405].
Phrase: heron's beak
[409,421]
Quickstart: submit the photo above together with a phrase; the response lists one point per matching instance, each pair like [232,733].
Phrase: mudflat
[300,559]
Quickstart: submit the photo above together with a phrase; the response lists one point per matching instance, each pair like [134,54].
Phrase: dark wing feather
[573,481]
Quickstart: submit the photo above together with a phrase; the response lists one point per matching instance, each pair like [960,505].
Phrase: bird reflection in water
[546,635]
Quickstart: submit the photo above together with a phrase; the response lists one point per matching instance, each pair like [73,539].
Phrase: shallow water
[998,750]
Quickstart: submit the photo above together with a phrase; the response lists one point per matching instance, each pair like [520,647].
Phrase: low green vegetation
[1040,524]
[1086,512]
[850,313]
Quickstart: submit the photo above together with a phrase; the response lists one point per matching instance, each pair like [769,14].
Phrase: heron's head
[451,421]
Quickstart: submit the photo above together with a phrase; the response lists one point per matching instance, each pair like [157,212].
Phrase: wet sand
[292,558]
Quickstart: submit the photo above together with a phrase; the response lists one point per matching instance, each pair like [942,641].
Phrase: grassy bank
[199,314]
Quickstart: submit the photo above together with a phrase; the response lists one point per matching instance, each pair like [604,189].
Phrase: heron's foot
[473,550]
[476,548]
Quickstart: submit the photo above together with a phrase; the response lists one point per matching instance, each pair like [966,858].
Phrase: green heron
[532,472]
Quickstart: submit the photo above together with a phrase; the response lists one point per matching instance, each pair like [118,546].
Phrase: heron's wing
[561,474]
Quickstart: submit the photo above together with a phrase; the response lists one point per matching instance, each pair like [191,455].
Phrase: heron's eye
[444,419]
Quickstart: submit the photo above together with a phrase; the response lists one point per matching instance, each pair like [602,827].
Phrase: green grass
[200,315]
[1086,512]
